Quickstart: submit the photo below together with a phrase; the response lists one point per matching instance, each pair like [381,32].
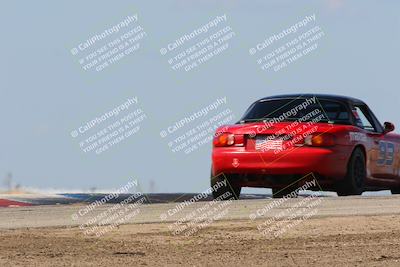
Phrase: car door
[382,159]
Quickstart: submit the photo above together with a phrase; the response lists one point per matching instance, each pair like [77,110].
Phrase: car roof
[319,96]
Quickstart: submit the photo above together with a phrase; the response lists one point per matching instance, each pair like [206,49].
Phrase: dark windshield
[298,109]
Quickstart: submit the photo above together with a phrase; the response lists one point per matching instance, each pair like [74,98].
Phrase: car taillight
[224,139]
[319,139]
[228,139]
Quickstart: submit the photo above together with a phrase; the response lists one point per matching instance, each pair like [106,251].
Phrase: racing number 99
[386,153]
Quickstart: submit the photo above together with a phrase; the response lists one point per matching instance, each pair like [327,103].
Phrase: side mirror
[388,127]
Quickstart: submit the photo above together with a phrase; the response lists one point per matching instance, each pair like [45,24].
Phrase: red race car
[282,139]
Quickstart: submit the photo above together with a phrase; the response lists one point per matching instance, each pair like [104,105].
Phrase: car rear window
[302,109]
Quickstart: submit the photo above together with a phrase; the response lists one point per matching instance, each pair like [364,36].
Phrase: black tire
[222,187]
[281,192]
[353,183]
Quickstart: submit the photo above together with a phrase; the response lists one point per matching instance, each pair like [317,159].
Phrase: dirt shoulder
[358,240]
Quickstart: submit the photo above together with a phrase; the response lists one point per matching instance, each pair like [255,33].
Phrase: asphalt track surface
[69,215]
[7,200]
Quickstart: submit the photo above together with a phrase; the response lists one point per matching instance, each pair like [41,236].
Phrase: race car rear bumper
[327,162]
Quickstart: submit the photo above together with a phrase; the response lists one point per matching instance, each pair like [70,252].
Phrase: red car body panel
[329,163]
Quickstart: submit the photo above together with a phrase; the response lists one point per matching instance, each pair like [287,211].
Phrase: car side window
[364,119]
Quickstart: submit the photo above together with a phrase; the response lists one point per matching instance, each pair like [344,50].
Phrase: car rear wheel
[224,188]
[353,183]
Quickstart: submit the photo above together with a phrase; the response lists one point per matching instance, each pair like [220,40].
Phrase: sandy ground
[338,241]
[345,231]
